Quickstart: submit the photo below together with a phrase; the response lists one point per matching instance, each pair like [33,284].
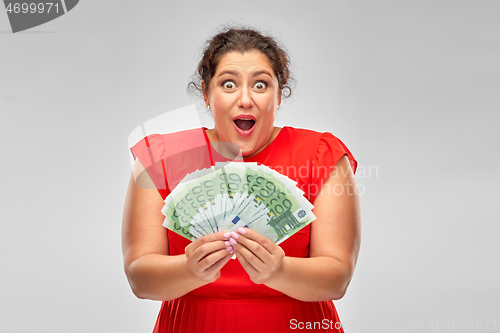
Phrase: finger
[203,240]
[269,245]
[207,249]
[213,259]
[208,238]
[252,259]
[254,247]
[219,264]
[245,264]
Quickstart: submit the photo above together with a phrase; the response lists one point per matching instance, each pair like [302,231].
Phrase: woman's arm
[334,246]
[151,271]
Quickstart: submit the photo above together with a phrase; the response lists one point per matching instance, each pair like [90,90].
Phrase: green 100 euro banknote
[232,195]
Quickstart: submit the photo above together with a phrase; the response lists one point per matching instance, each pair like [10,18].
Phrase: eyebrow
[228,72]
[257,73]
[253,74]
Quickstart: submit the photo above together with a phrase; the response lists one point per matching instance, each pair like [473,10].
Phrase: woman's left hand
[259,256]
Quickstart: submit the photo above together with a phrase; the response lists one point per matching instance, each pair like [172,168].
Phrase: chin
[245,150]
[250,147]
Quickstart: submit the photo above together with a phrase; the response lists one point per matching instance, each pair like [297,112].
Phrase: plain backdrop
[411,87]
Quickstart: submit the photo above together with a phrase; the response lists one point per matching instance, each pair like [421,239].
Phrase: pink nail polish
[227,243]
[231,252]
[234,235]
[233,241]
[227,234]
[229,248]
[242,231]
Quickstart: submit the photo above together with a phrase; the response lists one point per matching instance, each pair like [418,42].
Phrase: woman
[243,76]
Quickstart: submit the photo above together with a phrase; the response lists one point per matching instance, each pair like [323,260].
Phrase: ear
[205,94]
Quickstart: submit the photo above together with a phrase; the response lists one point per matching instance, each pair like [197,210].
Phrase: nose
[245,99]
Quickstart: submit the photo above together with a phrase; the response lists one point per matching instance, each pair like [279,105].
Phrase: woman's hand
[259,256]
[207,255]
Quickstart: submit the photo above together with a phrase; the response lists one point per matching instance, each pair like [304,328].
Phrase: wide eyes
[260,85]
[230,85]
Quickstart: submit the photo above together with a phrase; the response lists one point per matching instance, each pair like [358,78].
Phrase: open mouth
[244,124]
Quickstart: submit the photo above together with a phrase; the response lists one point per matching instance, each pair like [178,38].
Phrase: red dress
[233,302]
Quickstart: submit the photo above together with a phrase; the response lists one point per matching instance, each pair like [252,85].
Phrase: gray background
[410,86]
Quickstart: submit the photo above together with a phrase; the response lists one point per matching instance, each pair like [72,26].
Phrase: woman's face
[243,97]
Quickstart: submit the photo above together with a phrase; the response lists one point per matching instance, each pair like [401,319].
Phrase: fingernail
[242,231]
[233,241]
[227,234]
[231,252]
[227,243]
[234,235]
[229,248]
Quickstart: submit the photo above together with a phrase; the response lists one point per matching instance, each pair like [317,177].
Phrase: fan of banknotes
[231,195]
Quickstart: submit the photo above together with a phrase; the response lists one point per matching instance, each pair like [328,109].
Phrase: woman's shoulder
[325,147]
[307,136]
[166,144]
[305,142]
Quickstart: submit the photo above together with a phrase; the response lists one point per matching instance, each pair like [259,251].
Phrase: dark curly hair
[241,40]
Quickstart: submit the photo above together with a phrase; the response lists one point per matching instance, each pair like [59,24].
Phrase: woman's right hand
[207,255]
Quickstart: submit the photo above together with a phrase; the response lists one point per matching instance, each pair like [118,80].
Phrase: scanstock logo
[28,14]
